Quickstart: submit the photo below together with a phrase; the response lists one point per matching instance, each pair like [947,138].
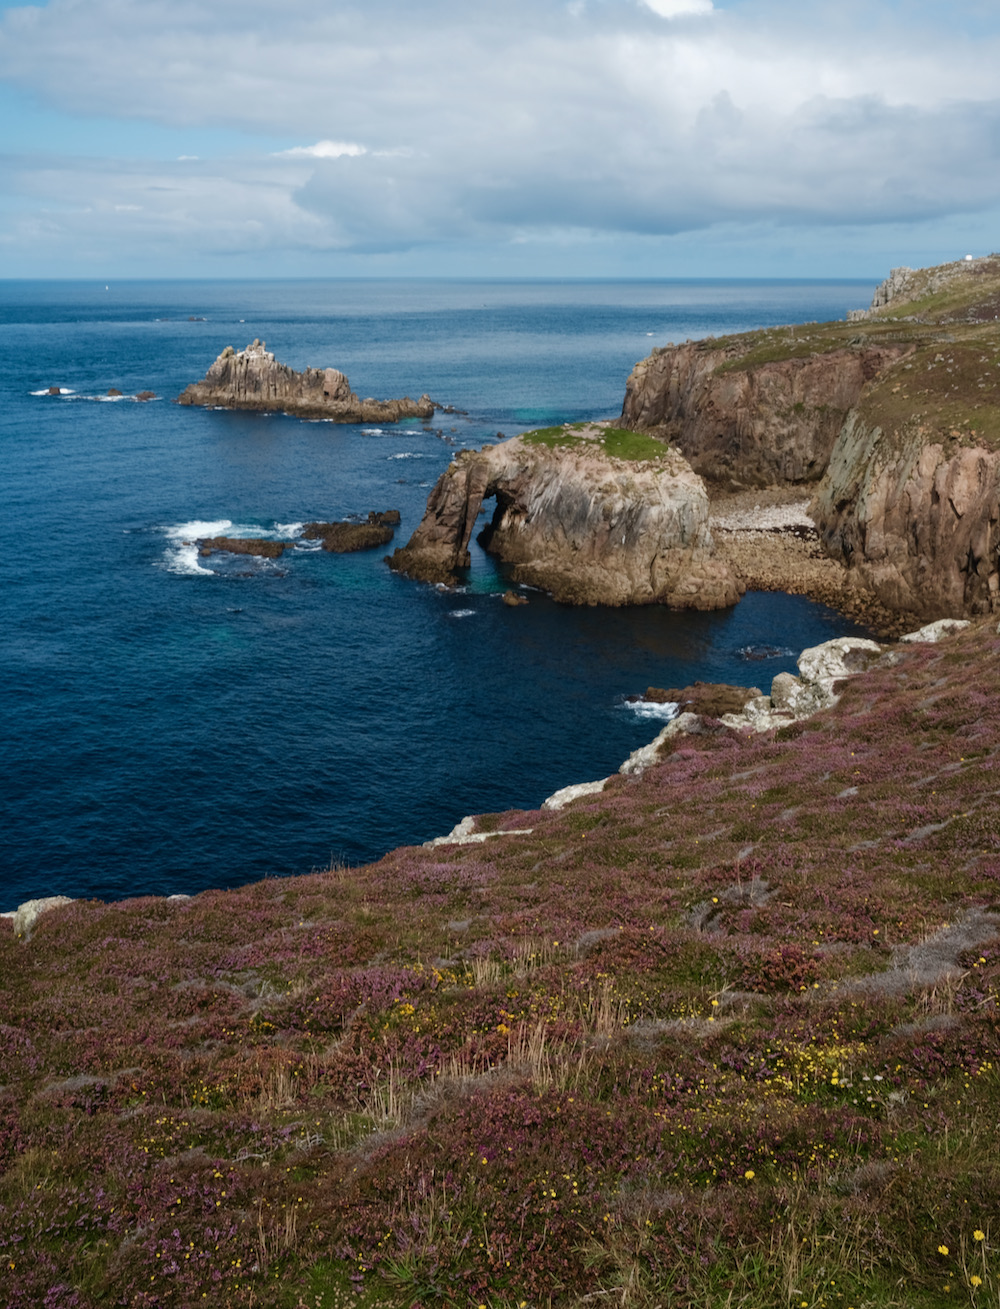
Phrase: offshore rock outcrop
[578,522]
[253,379]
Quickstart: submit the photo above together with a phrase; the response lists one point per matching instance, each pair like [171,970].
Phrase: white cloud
[488,124]
[324,150]
[679,8]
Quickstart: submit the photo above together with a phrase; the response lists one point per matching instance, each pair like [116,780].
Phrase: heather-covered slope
[725,1034]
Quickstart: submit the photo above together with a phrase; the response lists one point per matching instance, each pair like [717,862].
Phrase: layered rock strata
[253,379]
[578,522]
[920,525]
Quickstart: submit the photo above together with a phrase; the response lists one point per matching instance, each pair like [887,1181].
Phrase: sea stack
[588,513]
[253,379]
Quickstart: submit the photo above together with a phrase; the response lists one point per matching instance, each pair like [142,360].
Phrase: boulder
[384,518]
[513,600]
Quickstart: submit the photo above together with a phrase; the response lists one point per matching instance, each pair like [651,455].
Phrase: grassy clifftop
[726,1034]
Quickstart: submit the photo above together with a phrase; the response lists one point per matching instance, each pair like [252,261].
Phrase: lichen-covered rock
[253,379]
[584,525]
[28,914]
[792,698]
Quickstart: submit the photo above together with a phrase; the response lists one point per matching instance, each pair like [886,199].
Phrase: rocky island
[589,512]
[253,379]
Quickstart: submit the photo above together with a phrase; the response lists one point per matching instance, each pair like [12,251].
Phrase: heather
[724,1034]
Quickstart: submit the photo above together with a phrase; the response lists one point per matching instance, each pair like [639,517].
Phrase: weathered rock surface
[587,527]
[897,425]
[253,379]
[920,524]
[345,538]
[741,423]
[243,546]
[512,600]
[27,915]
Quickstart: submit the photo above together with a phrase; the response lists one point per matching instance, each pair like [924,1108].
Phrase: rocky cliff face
[896,416]
[253,379]
[578,522]
[743,419]
[920,525]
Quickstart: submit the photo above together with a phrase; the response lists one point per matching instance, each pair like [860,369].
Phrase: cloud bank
[391,127]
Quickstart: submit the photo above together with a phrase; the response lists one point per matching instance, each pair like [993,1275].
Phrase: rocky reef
[253,379]
[239,545]
[592,514]
[890,420]
[346,538]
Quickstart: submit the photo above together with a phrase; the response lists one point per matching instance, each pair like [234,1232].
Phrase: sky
[497,138]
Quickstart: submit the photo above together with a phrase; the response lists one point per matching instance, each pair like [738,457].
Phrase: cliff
[589,513]
[253,379]
[743,418]
[892,420]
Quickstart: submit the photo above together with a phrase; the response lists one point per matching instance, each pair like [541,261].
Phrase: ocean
[170,723]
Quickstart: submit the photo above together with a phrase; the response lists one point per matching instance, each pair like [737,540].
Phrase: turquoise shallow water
[170,725]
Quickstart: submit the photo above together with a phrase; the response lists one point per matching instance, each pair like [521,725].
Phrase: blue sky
[640,138]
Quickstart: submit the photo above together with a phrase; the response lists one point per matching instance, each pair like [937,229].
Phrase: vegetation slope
[724,1035]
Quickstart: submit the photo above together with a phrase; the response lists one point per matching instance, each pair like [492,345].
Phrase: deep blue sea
[171,724]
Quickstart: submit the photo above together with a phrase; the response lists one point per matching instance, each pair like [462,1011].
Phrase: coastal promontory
[588,512]
[885,430]
[253,379]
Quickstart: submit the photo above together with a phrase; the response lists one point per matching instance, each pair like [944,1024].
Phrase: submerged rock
[253,379]
[243,546]
[577,521]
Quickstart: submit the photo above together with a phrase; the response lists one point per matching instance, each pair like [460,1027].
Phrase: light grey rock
[639,760]
[567,794]
[463,834]
[28,914]
[934,632]
[794,698]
